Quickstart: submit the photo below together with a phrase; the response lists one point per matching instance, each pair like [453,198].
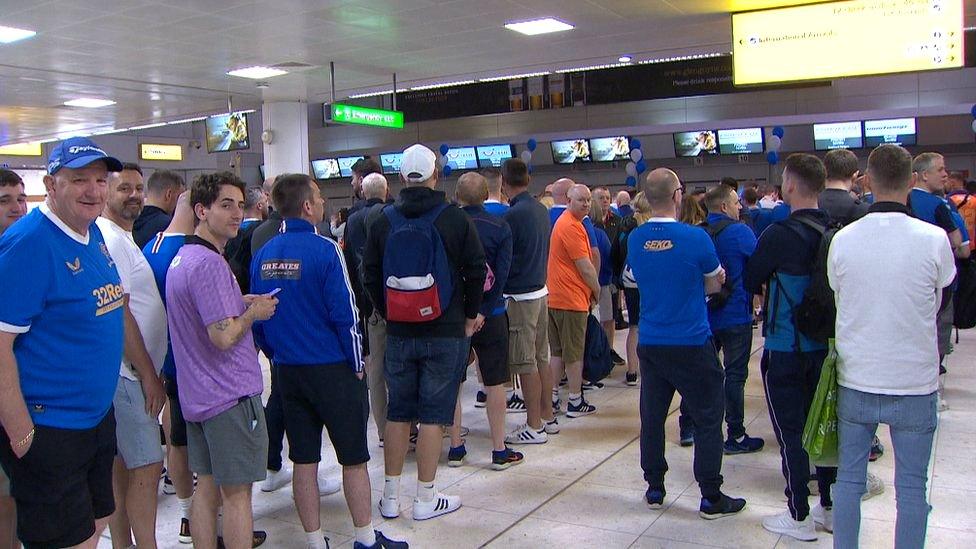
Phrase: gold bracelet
[26,439]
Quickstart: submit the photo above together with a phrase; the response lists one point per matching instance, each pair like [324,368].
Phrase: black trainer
[724,507]
[617,359]
[654,497]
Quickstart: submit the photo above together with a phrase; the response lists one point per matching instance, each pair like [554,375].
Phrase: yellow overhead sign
[161,152]
[21,149]
[850,38]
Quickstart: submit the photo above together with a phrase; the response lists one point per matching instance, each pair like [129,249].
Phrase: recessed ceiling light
[12,34]
[89,103]
[539,26]
[625,59]
[257,72]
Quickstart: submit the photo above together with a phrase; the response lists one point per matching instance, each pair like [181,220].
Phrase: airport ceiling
[167,60]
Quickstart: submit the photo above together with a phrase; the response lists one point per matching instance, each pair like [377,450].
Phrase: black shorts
[63,483]
[330,396]
[632,297]
[491,345]
[177,424]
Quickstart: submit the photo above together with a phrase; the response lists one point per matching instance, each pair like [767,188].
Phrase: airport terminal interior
[599,91]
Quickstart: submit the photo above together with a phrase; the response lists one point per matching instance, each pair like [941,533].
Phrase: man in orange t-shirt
[573,287]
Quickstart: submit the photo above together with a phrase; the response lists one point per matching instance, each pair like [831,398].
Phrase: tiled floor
[585,489]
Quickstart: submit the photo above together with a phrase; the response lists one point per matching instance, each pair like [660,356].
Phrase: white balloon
[631,169]
[441,161]
[636,155]
[774,143]
[974,125]
[526,156]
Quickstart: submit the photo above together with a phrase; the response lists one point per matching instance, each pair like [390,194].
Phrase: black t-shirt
[841,206]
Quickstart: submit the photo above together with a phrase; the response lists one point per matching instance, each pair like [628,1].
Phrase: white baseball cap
[418,163]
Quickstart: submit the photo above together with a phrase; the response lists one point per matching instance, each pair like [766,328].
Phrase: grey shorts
[4,484]
[136,433]
[604,310]
[232,446]
[943,325]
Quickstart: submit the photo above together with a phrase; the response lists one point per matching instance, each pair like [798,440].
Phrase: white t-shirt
[144,301]
[888,271]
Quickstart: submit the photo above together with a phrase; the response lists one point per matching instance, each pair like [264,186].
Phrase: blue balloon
[530,169]
[772,157]
[973,111]
[635,144]
[448,170]
[444,149]
[531,144]
[641,166]
[779,132]
[631,181]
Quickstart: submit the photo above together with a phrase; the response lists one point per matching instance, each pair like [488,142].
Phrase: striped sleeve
[341,305]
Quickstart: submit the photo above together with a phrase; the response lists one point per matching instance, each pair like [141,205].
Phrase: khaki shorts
[528,335]
[567,334]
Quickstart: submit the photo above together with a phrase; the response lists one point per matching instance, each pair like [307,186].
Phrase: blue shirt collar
[713,217]
[297,225]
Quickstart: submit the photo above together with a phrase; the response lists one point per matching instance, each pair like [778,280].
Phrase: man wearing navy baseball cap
[57,432]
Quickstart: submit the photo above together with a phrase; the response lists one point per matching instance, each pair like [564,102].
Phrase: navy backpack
[416,272]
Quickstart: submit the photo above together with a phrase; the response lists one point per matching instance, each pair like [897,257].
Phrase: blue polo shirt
[159,252]
[496,208]
[64,298]
[669,260]
[734,246]
[932,209]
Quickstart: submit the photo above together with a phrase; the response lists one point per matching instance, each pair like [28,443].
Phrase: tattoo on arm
[222,325]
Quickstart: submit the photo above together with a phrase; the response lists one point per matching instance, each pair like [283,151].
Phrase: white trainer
[552,427]
[440,505]
[783,523]
[527,435]
[823,518]
[389,507]
[276,480]
[327,487]
[874,486]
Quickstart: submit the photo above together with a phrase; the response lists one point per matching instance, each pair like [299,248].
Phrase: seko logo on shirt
[658,245]
[281,269]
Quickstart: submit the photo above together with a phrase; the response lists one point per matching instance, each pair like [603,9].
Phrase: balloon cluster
[636,166]
[526,155]
[446,169]
[773,145]
[973,112]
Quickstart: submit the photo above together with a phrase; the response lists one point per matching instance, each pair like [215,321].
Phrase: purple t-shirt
[200,290]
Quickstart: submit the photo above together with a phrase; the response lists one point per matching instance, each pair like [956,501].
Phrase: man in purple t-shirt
[217,365]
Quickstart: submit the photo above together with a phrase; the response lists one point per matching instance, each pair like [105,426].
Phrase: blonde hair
[642,208]
[692,212]
[547,201]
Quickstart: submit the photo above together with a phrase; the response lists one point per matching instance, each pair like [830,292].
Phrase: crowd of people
[151,301]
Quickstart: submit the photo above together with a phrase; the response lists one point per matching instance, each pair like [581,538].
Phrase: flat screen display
[695,143]
[828,40]
[494,155]
[345,164]
[570,151]
[390,162]
[608,149]
[898,131]
[837,135]
[227,132]
[462,158]
[740,141]
[325,168]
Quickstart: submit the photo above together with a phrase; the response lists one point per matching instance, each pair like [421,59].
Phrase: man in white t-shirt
[888,295]
[139,396]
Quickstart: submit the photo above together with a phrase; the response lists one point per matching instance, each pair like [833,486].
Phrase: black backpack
[964,311]
[816,315]
[597,362]
[718,300]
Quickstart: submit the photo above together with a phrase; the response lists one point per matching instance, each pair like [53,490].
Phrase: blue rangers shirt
[159,252]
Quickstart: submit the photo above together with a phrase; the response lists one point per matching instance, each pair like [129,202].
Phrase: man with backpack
[730,311]
[784,261]
[424,270]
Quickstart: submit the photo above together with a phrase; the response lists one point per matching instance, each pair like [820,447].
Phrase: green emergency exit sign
[364,116]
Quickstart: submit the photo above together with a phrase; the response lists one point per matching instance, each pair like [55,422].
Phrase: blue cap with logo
[78,152]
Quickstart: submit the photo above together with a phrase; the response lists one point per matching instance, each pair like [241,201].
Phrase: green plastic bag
[820,431]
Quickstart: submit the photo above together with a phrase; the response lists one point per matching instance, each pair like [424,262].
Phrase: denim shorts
[136,432]
[423,376]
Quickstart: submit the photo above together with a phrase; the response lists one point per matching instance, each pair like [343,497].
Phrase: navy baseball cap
[78,152]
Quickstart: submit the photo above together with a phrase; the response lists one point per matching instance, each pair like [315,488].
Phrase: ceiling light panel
[13,34]
[513,76]
[539,26]
[256,72]
[444,85]
[89,103]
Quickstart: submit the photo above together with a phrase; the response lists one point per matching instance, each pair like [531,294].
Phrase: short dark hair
[809,170]
[9,178]
[491,172]
[716,196]
[970,186]
[206,188]
[515,173]
[730,182]
[750,196]
[890,168]
[290,193]
[160,180]
[841,164]
[252,195]
[366,166]
[132,166]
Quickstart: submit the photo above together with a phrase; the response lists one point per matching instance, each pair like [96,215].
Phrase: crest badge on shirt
[108,256]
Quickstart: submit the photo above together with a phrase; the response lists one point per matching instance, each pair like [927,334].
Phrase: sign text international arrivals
[352,114]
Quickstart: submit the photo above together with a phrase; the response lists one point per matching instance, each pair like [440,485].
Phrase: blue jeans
[423,375]
[735,343]
[912,421]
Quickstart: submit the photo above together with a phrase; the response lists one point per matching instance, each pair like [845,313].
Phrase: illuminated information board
[850,38]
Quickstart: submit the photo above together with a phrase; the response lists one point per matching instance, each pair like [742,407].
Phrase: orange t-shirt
[567,289]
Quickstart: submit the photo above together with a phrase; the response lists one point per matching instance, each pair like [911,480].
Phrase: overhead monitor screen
[345,164]
[325,168]
[898,131]
[494,155]
[608,149]
[850,38]
[227,132]
[570,151]
[390,162]
[740,141]
[462,158]
[695,143]
[837,135]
